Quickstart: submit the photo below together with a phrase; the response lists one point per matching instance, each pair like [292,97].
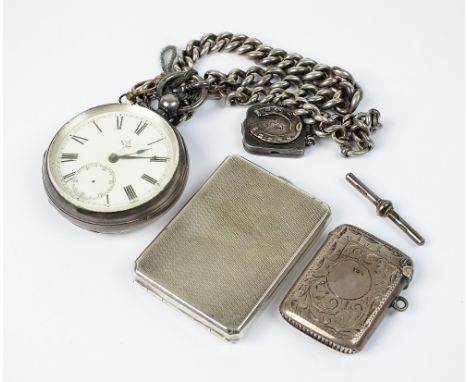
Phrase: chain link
[324,97]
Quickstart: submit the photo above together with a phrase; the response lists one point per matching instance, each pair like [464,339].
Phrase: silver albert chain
[293,101]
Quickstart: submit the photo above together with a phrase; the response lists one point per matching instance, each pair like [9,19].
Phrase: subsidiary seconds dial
[113,166]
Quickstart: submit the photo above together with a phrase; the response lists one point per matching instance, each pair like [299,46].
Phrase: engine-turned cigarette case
[343,293]
[227,250]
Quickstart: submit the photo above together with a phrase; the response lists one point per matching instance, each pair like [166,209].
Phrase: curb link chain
[324,97]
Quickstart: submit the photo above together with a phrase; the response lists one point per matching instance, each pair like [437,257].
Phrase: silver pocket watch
[116,166]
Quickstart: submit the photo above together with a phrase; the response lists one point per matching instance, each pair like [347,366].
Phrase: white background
[72,309]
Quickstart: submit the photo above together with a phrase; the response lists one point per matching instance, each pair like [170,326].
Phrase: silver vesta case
[225,253]
[344,292]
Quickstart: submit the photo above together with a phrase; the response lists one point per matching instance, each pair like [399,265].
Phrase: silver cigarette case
[224,254]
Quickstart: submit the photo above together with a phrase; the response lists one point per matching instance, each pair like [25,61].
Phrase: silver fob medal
[116,166]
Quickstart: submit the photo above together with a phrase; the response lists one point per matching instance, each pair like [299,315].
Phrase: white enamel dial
[113,161]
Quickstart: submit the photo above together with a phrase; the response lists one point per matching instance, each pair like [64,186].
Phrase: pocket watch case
[101,217]
[224,254]
[344,292]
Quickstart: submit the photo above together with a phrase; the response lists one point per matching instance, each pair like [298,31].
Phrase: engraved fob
[343,293]
[224,254]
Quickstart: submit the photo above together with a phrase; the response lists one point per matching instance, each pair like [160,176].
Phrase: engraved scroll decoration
[343,291]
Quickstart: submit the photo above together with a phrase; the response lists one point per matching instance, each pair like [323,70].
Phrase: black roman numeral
[68,157]
[130,192]
[119,121]
[141,126]
[68,177]
[159,159]
[149,179]
[97,126]
[79,139]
